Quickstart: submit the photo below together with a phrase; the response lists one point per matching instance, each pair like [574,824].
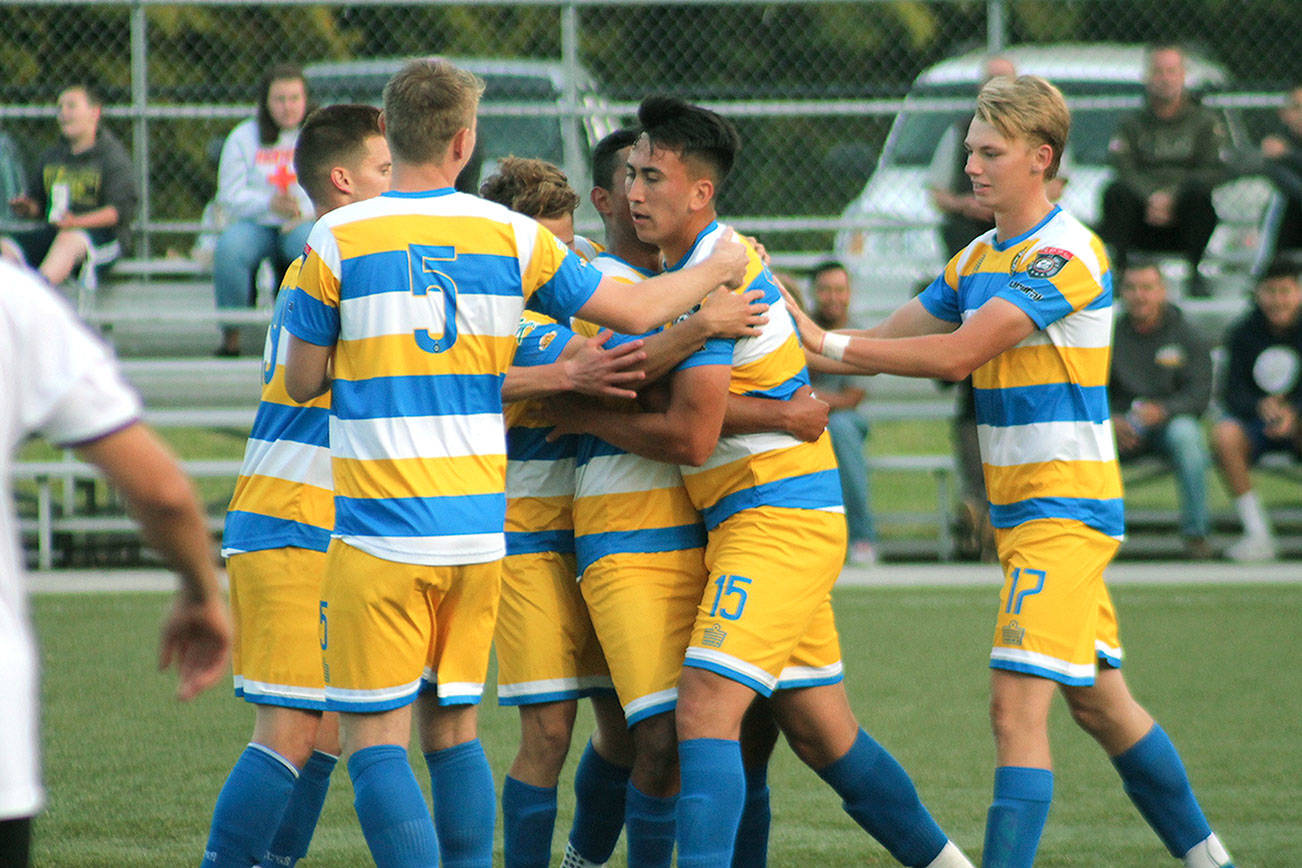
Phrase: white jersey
[57,380]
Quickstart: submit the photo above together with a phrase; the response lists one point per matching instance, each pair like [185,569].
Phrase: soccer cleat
[1209,853]
[574,860]
[1253,548]
[862,554]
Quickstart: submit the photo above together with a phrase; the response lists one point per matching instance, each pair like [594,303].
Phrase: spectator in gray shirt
[1160,385]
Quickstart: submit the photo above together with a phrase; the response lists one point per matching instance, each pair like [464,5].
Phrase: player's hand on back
[804,415]
[196,636]
[732,258]
[603,371]
[728,314]
[811,334]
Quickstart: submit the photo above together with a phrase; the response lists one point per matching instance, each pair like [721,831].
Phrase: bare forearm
[100,218]
[652,435]
[535,381]
[667,348]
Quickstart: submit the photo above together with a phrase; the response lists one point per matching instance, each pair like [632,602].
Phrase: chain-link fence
[814,87]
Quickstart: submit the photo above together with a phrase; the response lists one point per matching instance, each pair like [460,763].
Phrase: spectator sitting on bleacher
[830,287]
[268,214]
[84,190]
[1168,158]
[1282,156]
[1160,385]
[1262,398]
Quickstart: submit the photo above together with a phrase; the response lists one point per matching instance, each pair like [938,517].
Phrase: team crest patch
[1013,633]
[714,636]
[1048,262]
[546,340]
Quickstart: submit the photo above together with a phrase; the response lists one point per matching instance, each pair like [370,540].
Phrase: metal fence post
[996,26]
[574,155]
[139,121]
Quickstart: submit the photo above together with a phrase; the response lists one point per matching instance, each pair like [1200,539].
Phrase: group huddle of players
[655,522]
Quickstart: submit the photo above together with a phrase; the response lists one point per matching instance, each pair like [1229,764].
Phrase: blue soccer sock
[600,788]
[1016,817]
[299,820]
[391,808]
[710,801]
[528,819]
[1156,782]
[650,824]
[249,808]
[877,792]
[465,804]
[751,849]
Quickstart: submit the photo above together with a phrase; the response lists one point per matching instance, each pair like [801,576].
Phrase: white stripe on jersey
[780,327]
[395,313]
[437,551]
[737,446]
[542,478]
[418,437]
[286,459]
[1039,442]
[626,474]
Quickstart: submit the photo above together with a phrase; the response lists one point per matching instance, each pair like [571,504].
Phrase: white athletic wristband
[834,345]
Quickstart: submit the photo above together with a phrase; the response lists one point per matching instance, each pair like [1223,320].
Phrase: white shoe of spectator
[1252,548]
[862,554]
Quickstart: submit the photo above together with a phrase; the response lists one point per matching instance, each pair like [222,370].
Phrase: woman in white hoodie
[268,214]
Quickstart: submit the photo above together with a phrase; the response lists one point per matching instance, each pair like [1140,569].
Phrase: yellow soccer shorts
[275,603]
[643,606]
[1056,618]
[765,619]
[391,630]
[546,648]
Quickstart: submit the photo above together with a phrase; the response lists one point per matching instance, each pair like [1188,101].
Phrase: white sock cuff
[1207,853]
[277,757]
[950,857]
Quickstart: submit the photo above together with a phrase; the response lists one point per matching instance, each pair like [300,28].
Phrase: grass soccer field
[132,775]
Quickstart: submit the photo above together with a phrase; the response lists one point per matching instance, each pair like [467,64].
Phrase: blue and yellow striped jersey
[284,495]
[747,471]
[624,503]
[1042,406]
[539,474]
[421,295]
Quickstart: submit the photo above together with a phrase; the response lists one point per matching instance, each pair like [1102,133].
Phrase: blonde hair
[425,104]
[1030,108]
[535,188]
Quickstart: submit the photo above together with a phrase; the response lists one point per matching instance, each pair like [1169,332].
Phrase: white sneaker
[1252,548]
[862,554]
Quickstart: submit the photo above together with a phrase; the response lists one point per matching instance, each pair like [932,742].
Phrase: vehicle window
[916,133]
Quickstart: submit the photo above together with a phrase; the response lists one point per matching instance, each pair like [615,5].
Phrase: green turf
[132,775]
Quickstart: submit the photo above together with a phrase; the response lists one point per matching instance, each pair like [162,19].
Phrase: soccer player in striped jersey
[640,544]
[776,534]
[1027,310]
[406,308]
[547,653]
[277,531]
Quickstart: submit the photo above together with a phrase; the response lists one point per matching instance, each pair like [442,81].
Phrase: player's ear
[600,198]
[383,125]
[341,180]
[702,192]
[463,142]
[1041,158]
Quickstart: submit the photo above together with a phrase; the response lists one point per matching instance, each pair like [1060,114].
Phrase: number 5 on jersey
[426,279]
